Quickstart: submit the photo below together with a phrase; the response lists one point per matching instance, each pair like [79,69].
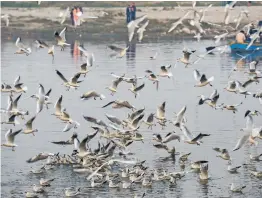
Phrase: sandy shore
[44,19]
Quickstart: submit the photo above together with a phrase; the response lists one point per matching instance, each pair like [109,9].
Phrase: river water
[224,126]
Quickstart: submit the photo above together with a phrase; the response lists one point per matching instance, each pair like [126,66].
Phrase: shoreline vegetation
[44,20]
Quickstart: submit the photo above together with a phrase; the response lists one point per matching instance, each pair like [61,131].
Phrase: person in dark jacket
[128,13]
[72,17]
[133,12]
[253,29]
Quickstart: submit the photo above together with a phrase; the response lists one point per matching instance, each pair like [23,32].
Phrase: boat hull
[241,47]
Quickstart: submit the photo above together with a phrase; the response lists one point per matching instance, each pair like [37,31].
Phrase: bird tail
[102,96]
[24,88]
[211,79]
[16,122]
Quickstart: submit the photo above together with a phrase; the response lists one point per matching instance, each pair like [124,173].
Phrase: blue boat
[241,47]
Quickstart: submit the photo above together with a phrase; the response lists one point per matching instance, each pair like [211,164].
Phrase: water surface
[224,126]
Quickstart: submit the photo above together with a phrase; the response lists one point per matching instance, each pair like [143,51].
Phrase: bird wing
[82,49]
[39,106]
[248,82]
[135,121]
[62,34]
[115,48]
[83,66]
[58,104]
[180,114]
[183,17]
[199,137]
[198,26]
[232,84]
[11,137]
[82,145]
[214,94]
[29,123]
[116,82]
[90,119]
[113,119]
[236,105]
[150,118]
[163,69]
[76,143]
[203,78]
[61,142]
[61,76]
[41,90]
[69,126]
[12,118]
[231,4]
[65,14]
[8,134]
[241,142]
[90,59]
[108,104]
[256,132]
[17,80]
[19,43]
[48,93]
[215,98]
[197,75]
[251,42]
[143,28]
[186,132]
[174,25]
[131,30]
[249,122]
[140,87]
[9,104]
[186,55]
[75,78]
[161,110]
[145,24]
[140,19]
[116,76]
[16,101]
[171,136]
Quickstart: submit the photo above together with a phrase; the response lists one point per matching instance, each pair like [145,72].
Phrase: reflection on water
[75,52]
[222,125]
[131,55]
[251,56]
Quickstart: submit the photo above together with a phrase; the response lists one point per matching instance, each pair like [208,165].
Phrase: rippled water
[222,125]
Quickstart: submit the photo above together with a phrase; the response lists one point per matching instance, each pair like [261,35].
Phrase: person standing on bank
[72,17]
[75,16]
[128,14]
[133,12]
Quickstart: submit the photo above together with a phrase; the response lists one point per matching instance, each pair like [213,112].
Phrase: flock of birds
[110,163]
